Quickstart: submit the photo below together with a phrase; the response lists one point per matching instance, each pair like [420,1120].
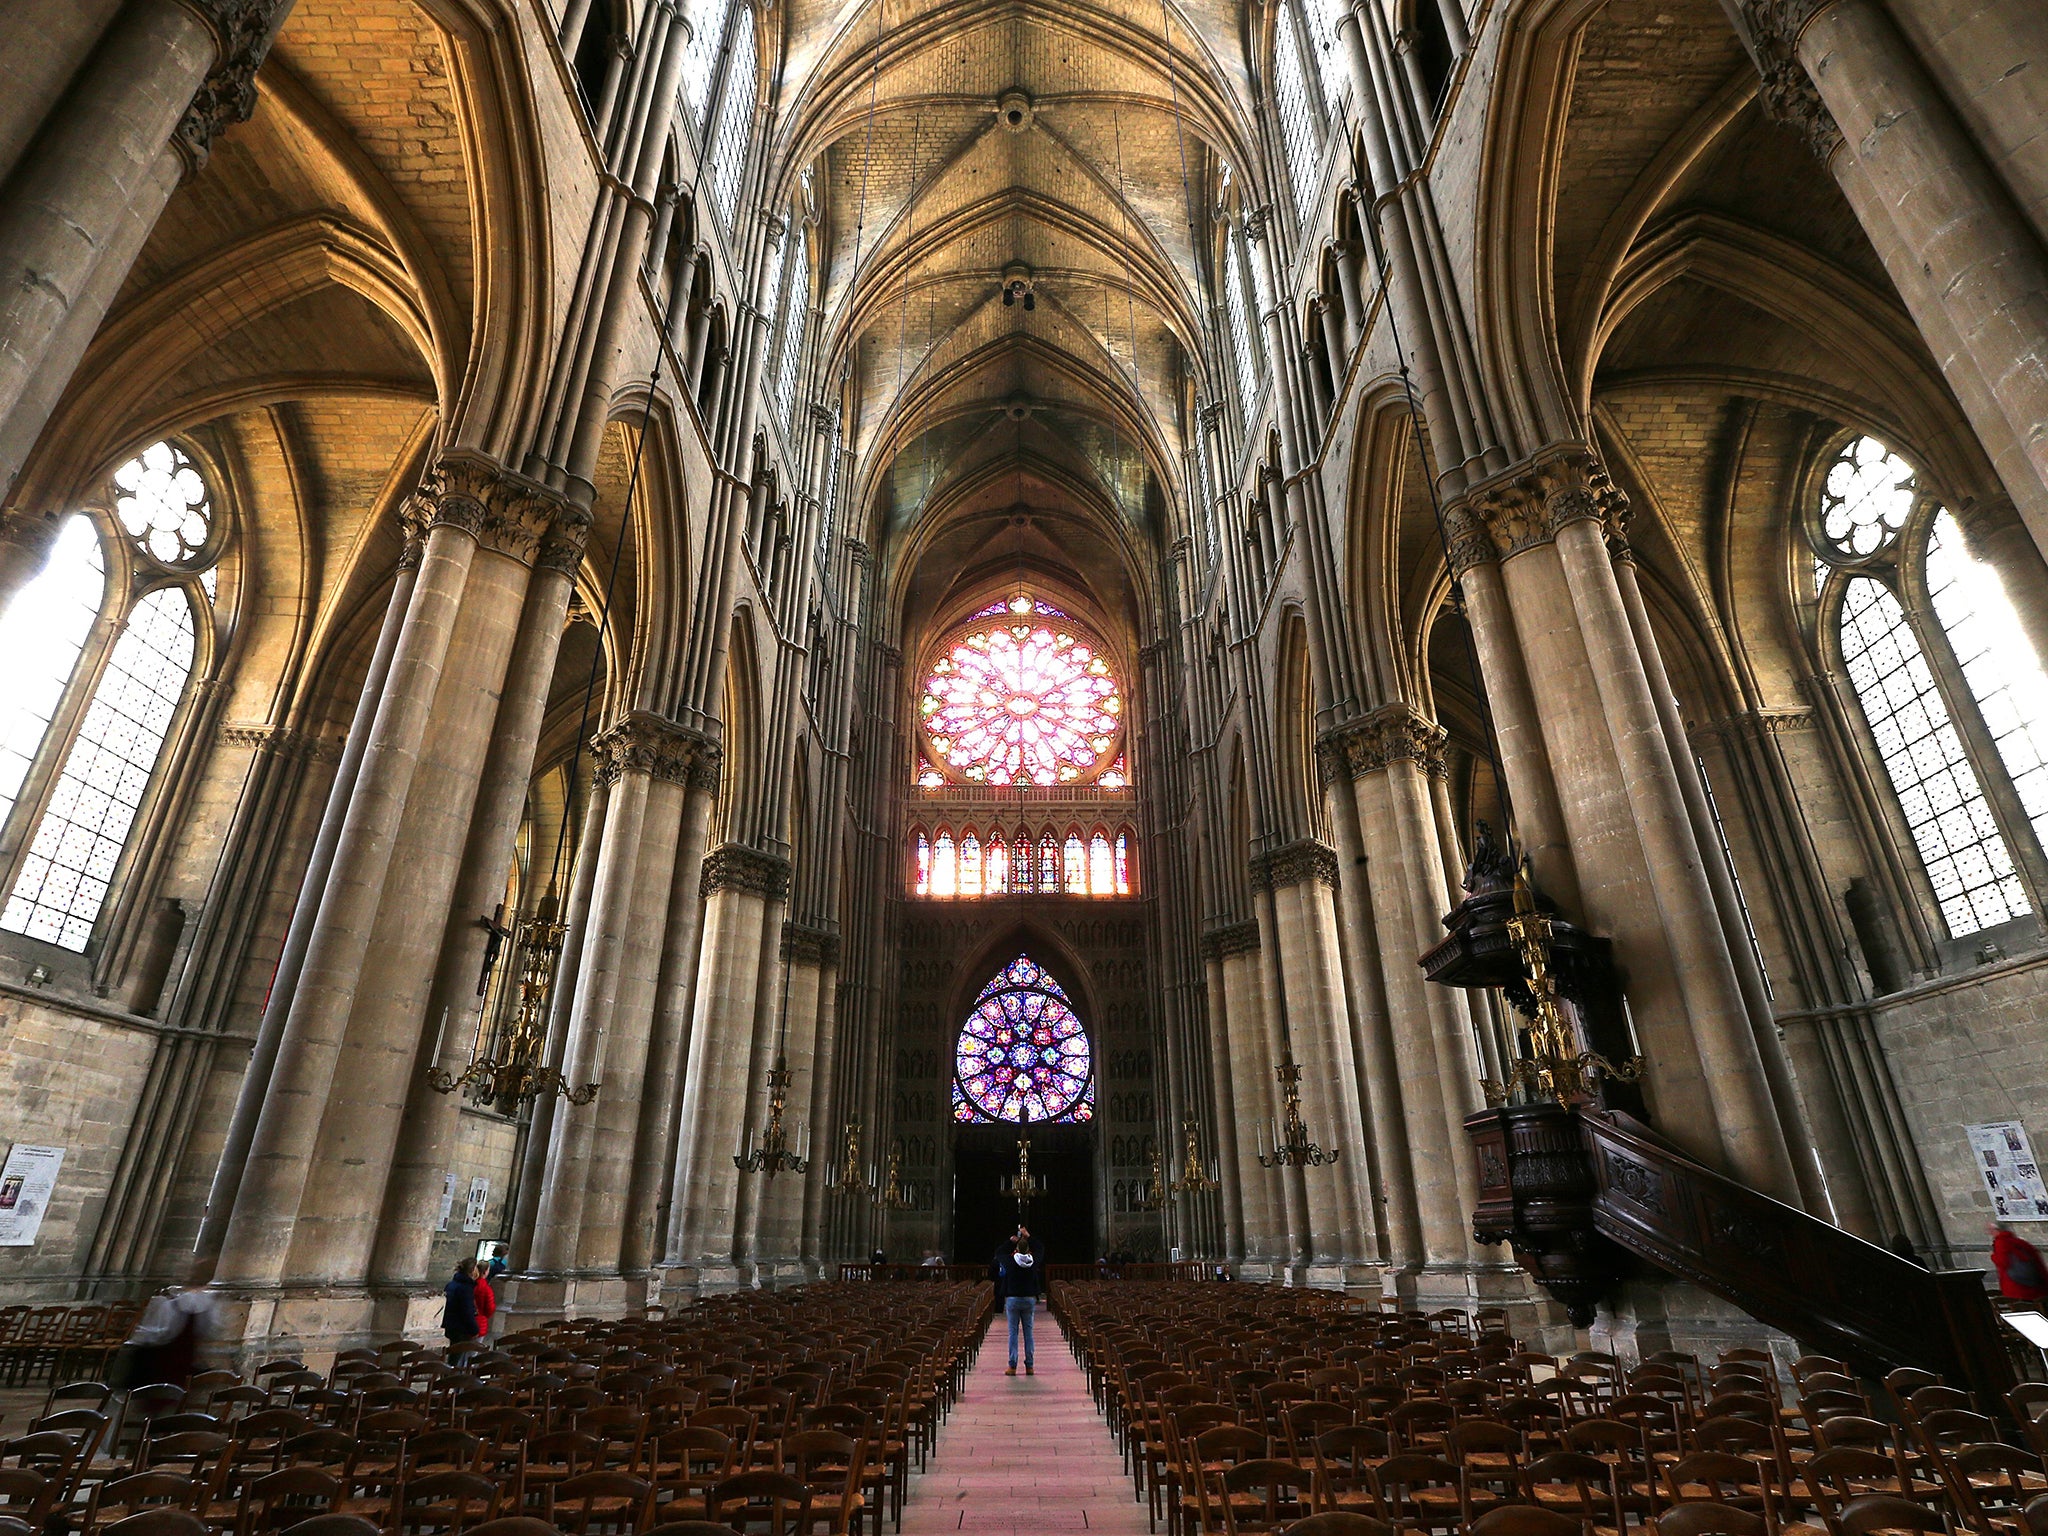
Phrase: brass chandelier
[1286,1143]
[510,1072]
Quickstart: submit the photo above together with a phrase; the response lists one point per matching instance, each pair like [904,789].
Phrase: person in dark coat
[1019,1280]
[458,1318]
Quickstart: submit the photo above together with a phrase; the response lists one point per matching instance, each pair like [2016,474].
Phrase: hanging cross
[494,945]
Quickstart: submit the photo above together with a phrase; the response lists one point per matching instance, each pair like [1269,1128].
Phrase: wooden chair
[332,1525]
[1523,1520]
[832,1465]
[453,1502]
[286,1497]
[778,1503]
[116,1500]
[158,1522]
[1420,1493]
[1880,1512]
[1266,1494]
[1710,1519]
[1992,1484]
[1575,1484]
[1340,1522]
[601,1501]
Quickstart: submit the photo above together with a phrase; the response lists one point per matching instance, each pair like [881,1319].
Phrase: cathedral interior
[671,633]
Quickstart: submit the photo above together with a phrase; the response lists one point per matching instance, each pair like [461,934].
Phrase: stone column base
[524,1300]
[1352,1279]
[680,1284]
[309,1322]
[1646,1315]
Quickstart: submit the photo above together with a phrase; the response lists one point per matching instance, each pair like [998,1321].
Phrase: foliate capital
[1230,939]
[810,944]
[503,511]
[707,766]
[1788,93]
[738,868]
[242,31]
[1395,733]
[1525,506]
[646,743]
[1295,863]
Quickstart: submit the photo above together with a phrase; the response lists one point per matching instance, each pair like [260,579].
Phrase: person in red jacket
[486,1304]
[2021,1274]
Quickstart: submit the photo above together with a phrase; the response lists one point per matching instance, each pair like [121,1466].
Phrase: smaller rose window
[163,503]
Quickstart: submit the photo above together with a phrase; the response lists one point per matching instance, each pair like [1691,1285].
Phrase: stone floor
[1024,1454]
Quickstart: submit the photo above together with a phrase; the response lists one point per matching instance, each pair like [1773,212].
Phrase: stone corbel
[736,867]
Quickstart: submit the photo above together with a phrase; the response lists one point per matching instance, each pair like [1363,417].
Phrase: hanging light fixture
[848,1177]
[892,1196]
[779,1149]
[1291,1146]
[1195,1178]
[1023,1186]
[510,1071]
[1156,1195]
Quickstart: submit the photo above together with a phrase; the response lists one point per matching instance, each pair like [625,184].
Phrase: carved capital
[1788,93]
[738,868]
[1392,734]
[1230,939]
[646,743]
[1295,863]
[706,766]
[1755,724]
[242,31]
[276,741]
[1525,506]
[503,511]
[809,944]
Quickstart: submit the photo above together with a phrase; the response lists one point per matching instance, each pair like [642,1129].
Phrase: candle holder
[511,1072]
[1195,1179]
[848,1178]
[893,1197]
[1291,1144]
[778,1151]
[1156,1194]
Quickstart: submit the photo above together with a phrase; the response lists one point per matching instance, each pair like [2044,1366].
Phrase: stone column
[169,74]
[284,981]
[575,918]
[1406,916]
[1251,1105]
[827,1140]
[614,999]
[261,1230]
[1994,533]
[648,1214]
[1276,1047]
[1303,879]
[429,1126]
[779,1240]
[738,886]
[1937,212]
[1230,1137]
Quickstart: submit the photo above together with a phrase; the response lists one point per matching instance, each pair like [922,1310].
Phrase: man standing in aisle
[1020,1280]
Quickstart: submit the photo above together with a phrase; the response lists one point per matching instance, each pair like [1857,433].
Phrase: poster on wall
[473,1210]
[2005,1158]
[447,1201]
[25,1186]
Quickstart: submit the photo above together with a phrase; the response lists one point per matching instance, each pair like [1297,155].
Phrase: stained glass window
[1290,95]
[1048,864]
[41,634]
[69,867]
[735,118]
[924,865]
[1998,662]
[1020,864]
[1076,865]
[1967,861]
[970,865]
[996,876]
[1123,864]
[794,313]
[1022,1054]
[945,867]
[1020,701]
[1101,866]
[1022,605]
[1116,776]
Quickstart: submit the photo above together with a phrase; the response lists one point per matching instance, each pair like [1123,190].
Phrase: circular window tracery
[1022,1054]
[1866,498]
[1022,700]
[163,503]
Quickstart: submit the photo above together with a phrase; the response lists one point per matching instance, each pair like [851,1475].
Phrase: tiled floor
[1024,1454]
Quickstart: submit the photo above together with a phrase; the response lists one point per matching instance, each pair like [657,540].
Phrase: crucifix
[496,933]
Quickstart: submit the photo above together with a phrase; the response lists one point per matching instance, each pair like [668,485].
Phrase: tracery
[1021,701]
[1023,1054]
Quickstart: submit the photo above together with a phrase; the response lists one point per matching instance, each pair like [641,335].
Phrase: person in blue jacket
[458,1318]
[1020,1280]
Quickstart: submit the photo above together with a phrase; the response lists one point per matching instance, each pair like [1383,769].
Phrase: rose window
[1022,701]
[1022,1054]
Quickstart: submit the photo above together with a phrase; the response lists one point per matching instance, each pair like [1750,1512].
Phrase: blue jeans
[1020,1310]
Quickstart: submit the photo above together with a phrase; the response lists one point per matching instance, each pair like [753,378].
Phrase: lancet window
[1950,687]
[93,688]
[989,861]
[735,124]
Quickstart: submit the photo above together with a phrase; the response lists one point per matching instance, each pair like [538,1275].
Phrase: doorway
[1062,1220]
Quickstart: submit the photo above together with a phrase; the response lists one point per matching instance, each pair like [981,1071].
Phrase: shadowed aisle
[1024,1454]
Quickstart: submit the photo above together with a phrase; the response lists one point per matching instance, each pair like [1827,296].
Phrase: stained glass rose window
[1021,698]
[1022,1053]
